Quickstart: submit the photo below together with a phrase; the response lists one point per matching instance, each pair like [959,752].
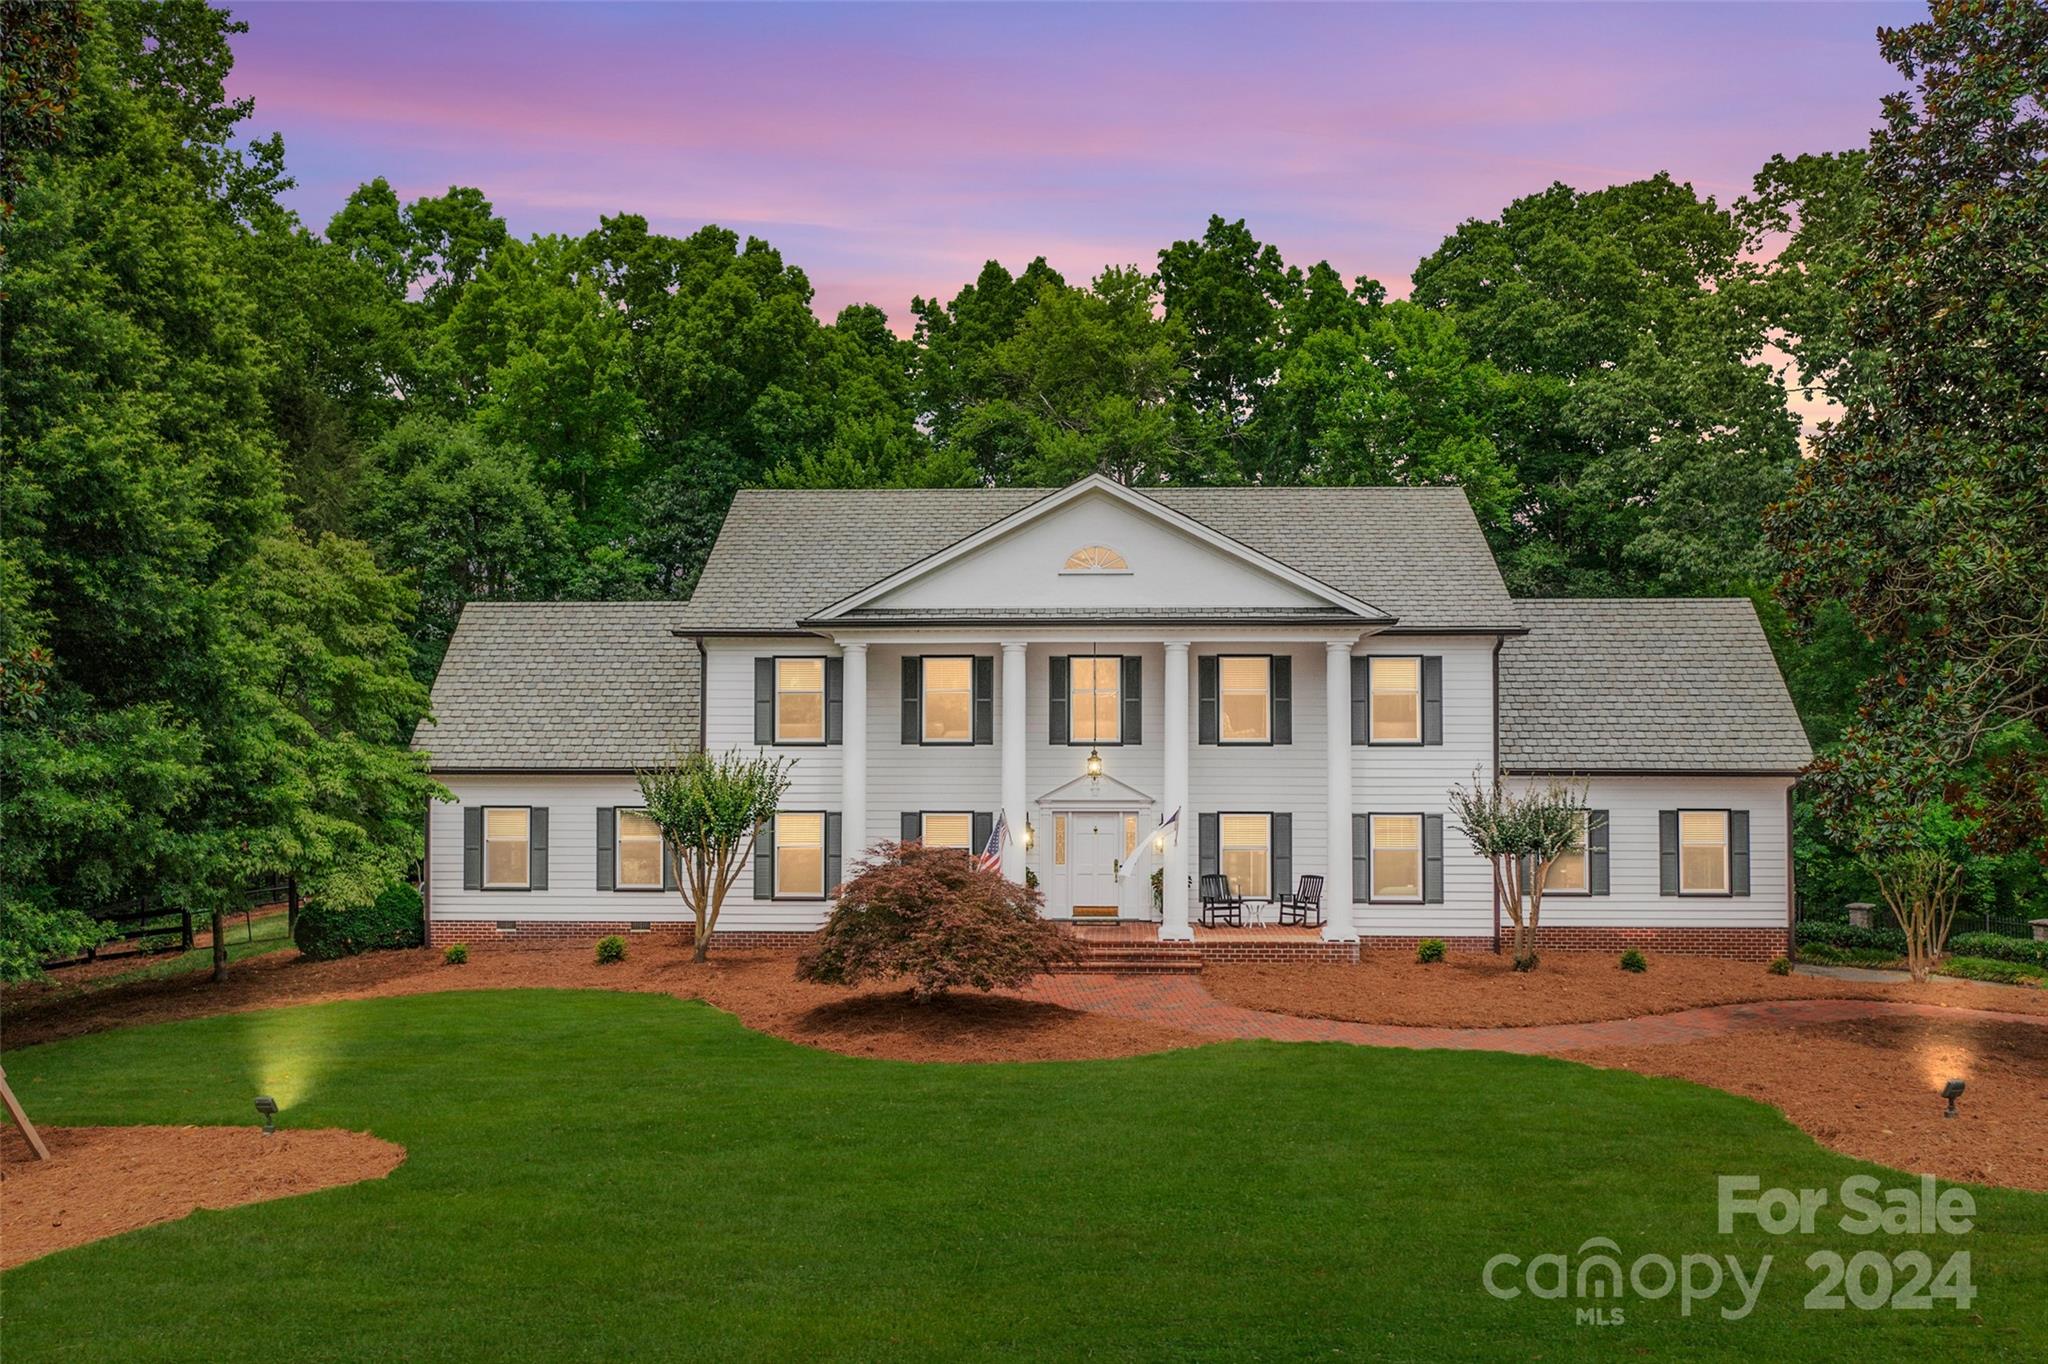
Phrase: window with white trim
[799,700]
[1397,857]
[1245,854]
[1395,691]
[1095,559]
[949,700]
[1095,699]
[1247,699]
[1702,852]
[638,843]
[949,830]
[800,855]
[1567,874]
[508,847]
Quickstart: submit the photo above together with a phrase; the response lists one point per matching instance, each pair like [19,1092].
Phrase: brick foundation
[545,932]
[1741,944]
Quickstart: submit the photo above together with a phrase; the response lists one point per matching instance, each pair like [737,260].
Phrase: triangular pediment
[1103,792]
[1097,546]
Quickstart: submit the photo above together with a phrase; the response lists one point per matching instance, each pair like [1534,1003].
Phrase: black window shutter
[834,822]
[1283,700]
[473,847]
[835,700]
[1060,672]
[984,699]
[913,699]
[1361,858]
[1432,700]
[912,829]
[668,865]
[1361,699]
[1738,852]
[1211,859]
[764,701]
[1134,706]
[1667,852]
[607,828]
[984,825]
[1207,725]
[764,861]
[1596,852]
[1433,859]
[537,848]
[1283,853]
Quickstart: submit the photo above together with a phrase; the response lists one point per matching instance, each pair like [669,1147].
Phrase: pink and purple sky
[890,149]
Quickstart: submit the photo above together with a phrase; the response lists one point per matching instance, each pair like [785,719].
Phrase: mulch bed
[1481,990]
[1871,1089]
[759,987]
[101,1181]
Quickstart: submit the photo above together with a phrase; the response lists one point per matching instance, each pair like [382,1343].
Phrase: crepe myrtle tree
[711,810]
[1521,833]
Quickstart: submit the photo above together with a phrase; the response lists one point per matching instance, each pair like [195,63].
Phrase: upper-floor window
[1568,871]
[1095,559]
[949,700]
[639,851]
[1396,696]
[1096,700]
[799,700]
[1703,852]
[508,847]
[955,830]
[1247,696]
[1397,857]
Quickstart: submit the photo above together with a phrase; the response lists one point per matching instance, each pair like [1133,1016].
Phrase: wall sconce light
[1030,835]
[1094,762]
[1158,843]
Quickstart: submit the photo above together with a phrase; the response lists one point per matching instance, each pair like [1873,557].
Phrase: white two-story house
[1255,683]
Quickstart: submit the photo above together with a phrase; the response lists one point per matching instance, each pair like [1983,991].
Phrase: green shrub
[455,954]
[392,920]
[1998,972]
[1823,955]
[1780,966]
[1429,949]
[610,950]
[1999,947]
[1527,963]
[1842,933]
[1634,961]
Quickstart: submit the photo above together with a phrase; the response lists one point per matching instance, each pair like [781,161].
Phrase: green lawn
[617,1176]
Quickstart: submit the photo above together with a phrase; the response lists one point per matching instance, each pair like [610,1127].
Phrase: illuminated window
[800,856]
[1703,852]
[949,831]
[1568,873]
[949,700]
[1247,700]
[1059,840]
[1397,857]
[1130,836]
[639,851]
[507,848]
[1396,688]
[1095,700]
[799,700]
[1096,559]
[1247,854]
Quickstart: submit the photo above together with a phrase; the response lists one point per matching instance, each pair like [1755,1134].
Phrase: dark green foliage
[610,949]
[1780,966]
[1841,933]
[1996,971]
[1999,947]
[1634,961]
[393,919]
[1429,949]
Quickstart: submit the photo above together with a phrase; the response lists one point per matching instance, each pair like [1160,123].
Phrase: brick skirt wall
[1742,944]
[543,932]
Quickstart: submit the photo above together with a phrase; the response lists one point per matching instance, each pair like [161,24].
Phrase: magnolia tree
[1521,834]
[710,811]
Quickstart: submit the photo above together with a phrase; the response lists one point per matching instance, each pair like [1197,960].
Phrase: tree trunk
[220,945]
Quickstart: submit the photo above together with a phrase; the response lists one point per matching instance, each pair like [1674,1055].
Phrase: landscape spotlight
[267,1106]
[1952,1091]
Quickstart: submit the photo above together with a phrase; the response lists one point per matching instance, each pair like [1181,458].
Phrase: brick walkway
[1181,1002]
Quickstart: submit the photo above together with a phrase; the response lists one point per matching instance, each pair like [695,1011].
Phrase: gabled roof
[1601,685]
[1417,554]
[563,686]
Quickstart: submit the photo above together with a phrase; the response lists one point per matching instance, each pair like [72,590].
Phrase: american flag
[992,856]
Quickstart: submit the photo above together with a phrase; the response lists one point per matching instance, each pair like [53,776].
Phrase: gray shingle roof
[1417,553]
[1649,685]
[569,686]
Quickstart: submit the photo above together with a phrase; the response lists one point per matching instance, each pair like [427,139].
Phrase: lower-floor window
[952,830]
[1397,857]
[1567,872]
[1703,852]
[507,848]
[639,851]
[1246,854]
[800,855]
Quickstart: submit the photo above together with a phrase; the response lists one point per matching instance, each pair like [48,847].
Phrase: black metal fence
[146,926]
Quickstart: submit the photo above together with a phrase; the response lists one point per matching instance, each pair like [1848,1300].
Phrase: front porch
[1137,948]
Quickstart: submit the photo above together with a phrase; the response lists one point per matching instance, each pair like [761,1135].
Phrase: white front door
[1095,842]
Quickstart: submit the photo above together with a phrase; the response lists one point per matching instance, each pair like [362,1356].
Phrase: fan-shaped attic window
[1096,559]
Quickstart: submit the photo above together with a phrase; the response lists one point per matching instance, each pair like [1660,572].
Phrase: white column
[1337,926]
[1014,693]
[1174,916]
[853,756]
